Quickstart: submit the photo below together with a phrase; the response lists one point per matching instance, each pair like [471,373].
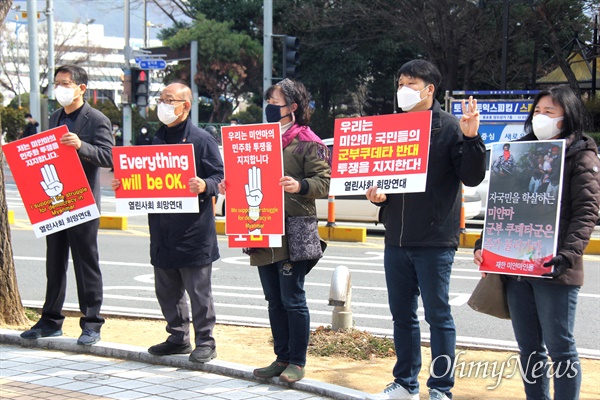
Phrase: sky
[109,13]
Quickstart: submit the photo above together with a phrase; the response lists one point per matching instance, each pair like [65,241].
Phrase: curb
[335,233]
[139,354]
[113,222]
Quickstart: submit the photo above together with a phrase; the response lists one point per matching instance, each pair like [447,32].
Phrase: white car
[357,208]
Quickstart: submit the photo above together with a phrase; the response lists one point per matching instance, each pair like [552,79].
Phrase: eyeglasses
[168,101]
[63,83]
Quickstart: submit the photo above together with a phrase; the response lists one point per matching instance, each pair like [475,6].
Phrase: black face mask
[273,113]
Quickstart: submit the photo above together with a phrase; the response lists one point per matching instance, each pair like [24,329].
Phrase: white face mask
[408,98]
[545,127]
[64,96]
[166,113]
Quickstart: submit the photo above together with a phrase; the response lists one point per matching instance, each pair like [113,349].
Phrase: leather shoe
[167,348]
[36,333]
[203,354]
[88,337]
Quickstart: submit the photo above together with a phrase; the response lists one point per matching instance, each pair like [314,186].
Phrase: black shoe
[203,354]
[168,348]
[36,333]
[88,337]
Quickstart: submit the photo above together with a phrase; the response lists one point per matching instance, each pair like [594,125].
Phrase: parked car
[483,188]
[356,208]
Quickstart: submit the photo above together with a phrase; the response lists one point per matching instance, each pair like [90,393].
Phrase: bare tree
[11,308]
[66,42]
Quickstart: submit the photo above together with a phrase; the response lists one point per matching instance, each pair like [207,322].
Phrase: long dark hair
[294,92]
[576,118]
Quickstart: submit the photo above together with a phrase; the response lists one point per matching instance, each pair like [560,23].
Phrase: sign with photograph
[154,179]
[521,223]
[387,151]
[51,181]
[253,159]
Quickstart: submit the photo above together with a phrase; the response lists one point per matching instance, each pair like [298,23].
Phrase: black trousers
[170,286]
[82,241]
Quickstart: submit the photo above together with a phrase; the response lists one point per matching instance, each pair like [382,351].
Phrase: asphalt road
[129,290]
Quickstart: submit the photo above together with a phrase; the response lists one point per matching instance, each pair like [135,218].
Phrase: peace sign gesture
[469,122]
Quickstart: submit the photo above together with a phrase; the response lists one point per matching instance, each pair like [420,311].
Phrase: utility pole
[145,24]
[34,80]
[193,85]
[127,106]
[50,21]
[267,48]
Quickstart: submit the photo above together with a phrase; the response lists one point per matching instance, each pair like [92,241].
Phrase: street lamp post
[147,33]
[87,35]
[19,25]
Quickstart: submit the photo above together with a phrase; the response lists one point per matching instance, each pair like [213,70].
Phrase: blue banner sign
[152,63]
[497,110]
[492,133]
[493,92]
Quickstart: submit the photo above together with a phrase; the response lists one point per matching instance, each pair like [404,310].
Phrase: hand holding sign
[254,194]
[51,185]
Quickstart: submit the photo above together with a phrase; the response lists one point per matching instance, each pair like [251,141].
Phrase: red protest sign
[389,151]
[521,223]
[252,155]
[51,181]
[254,241]
[154,179]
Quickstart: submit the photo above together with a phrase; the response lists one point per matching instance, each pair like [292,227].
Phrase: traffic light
[291,59]
[140,87]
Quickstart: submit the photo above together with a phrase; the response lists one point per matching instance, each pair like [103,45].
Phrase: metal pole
[594,64]
[267,48]
[50,17]
[194,86]
[127,107]
[146,28]
[18,64]
[505,18]
[34,76]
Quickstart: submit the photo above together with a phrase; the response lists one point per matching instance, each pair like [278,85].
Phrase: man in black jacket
[422,234]
[90,134]
[32,124]
[184,246]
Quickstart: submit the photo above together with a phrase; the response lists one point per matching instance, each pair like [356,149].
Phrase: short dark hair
[422,69]
[294,92]
[78,74]
[506,146]
[576,118]
[27,115]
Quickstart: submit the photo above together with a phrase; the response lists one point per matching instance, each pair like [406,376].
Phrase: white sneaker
[394,391]
[435,394]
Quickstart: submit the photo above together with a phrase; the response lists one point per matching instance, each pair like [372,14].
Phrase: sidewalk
[58,368]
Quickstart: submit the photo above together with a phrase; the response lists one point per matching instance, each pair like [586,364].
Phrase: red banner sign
[389,151]
[253,160]
[51,181]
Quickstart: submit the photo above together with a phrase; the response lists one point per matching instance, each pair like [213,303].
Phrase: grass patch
[349,343]
[32,314]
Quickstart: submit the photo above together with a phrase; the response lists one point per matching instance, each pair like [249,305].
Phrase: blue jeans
[283,286]
[543,314]
[409,272]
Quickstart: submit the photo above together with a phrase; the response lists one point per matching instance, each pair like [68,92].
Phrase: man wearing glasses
[184,246]
[90,134]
